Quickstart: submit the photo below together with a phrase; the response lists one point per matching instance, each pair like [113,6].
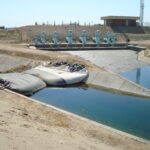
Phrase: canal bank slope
[16,64]
[28,124]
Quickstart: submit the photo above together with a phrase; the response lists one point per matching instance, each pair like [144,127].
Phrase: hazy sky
[27,12]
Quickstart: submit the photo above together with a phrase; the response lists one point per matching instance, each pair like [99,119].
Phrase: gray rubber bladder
[47,77]
[22,83]
[35,79]
[60,73]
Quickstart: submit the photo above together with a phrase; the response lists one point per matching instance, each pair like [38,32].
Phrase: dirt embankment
[42,56]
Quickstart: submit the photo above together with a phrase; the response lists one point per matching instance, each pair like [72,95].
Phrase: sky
[15,13]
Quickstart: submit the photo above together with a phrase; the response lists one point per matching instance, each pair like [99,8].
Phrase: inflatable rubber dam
[64,74]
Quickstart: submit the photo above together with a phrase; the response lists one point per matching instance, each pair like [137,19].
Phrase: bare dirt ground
[28,125]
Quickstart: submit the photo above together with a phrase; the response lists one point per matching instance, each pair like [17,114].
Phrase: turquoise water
[126,113]
[140,76]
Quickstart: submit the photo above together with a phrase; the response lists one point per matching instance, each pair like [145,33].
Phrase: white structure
[141,12]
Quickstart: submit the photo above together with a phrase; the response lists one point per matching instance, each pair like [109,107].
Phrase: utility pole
[141,12]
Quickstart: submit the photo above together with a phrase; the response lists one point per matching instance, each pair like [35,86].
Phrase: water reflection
[138,75]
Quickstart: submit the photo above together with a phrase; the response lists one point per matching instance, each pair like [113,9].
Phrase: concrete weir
[109,80]
[79,47]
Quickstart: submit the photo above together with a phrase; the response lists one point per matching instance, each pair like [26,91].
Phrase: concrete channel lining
[113,81]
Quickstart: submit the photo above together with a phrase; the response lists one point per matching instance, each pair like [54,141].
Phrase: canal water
[126,113]
[140,76]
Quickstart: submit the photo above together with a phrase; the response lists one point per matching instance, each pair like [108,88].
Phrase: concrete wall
[112,81]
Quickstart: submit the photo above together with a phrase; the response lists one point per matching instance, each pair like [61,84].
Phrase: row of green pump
[109,38]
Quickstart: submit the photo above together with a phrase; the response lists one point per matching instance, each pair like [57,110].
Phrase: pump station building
[120,20]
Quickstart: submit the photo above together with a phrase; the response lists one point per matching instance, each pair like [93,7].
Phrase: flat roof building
[120,20]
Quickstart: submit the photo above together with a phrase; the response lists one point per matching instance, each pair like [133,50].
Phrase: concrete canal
[126,113]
